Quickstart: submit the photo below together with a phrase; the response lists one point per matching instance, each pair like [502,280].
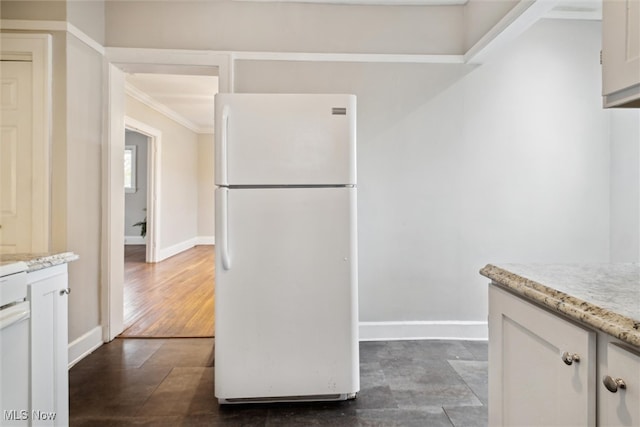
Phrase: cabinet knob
[569,358]
[66,291]
[613,384]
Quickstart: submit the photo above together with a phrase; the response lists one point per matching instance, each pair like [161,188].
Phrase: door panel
[622,407]
[529,383]
[286,310]
[15,156]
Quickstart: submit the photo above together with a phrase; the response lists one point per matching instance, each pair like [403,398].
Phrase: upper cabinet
[621,53]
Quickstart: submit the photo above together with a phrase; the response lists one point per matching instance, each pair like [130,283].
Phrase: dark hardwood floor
[170,299]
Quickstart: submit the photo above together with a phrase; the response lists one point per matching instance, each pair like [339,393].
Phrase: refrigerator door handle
[224,232]
[223,145]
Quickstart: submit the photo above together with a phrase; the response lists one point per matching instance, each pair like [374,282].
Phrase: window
[130,169]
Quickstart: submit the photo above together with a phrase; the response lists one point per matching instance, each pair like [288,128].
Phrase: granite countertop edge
[36,262]
[622,327]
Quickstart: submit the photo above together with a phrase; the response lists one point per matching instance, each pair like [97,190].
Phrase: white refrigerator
[286,296]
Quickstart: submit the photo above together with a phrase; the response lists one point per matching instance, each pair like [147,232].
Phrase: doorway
[171,61]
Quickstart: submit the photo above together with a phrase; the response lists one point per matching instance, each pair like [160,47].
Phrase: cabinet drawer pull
[66,291]
[613,384]
[569,358]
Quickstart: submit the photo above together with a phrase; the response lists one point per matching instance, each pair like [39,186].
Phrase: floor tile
[121,354]
[415,375]
[479,349]
[183,392]
[184,352]
[436,395]
[312,414]
[468,416]
[475,375]
[431,417]
[112,391]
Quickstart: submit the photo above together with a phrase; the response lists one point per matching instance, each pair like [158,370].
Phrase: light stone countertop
[603,296]
[39,261]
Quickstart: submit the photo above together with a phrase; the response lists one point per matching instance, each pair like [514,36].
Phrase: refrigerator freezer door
[285,139]
[286,308]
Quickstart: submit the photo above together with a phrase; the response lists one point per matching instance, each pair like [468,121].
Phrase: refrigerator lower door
[286,299]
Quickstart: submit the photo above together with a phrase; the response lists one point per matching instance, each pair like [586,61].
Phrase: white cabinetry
[542,369]
[621,53]
[47,293]
[619,401]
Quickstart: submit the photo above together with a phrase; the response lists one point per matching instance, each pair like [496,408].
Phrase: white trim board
[206,240]
[84,345]
[515,22]
[176,249]
[422,330]
[350,57]
[134,240]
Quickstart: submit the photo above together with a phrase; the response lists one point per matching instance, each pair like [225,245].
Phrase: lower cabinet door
[620,392]
[542,368]
[47,290]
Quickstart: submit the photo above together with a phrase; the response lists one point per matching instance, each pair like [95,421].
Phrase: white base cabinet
[619,392]
[542,369]
[547,370]
[48,296]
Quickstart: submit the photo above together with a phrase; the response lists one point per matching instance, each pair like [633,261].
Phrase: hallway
[170,299]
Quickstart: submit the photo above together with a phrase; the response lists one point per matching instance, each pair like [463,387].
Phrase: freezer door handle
[224,232]
[223,144]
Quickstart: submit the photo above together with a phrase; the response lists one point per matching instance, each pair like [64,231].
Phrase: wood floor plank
[170,299]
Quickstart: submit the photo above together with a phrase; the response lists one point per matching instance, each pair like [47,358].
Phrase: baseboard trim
[176,249]
[134,240]
[85,345]
[206,240]
[422,330]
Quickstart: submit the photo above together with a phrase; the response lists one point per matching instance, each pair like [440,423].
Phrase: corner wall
[460,167]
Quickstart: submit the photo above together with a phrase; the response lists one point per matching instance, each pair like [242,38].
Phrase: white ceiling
[189,99]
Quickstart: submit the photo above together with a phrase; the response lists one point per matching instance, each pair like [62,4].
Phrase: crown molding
[349,57]
[150,102]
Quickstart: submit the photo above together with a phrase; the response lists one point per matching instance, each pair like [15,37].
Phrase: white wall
[459,167]
[135,204]
[34,9]
[88,16]
[83,210]
[179,176]
[206,187]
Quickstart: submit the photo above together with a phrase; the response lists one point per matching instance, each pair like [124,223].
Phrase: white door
[286,294]
[285,139]
[15,156]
